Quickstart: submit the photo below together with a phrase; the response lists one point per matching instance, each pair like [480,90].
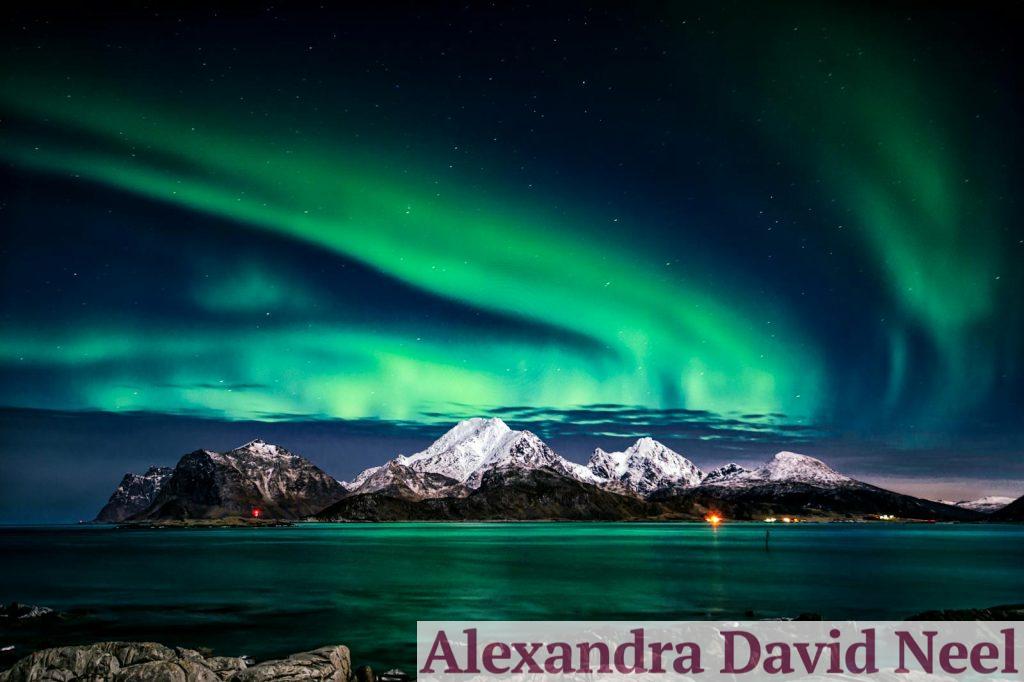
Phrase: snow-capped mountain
[482,469]
[985,505]
[134,494]
[467,451]
[784,467]
[644,467]
[256,476]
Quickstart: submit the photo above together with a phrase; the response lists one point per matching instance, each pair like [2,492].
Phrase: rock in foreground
[15,612]
[141,661]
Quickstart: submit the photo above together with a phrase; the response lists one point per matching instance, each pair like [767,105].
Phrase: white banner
[656,651]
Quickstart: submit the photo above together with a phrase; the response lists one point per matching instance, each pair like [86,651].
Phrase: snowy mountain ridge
[475,446]
[986,505]
[644,467]
[466,452]
[491,466]
[783,467]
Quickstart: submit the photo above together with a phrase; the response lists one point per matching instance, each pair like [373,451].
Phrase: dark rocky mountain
[800,499]
[507,493]
[257,478]
[1011,512]
[797,485]
[135,493]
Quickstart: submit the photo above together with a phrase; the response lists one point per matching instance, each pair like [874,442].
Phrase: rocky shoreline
[141,661]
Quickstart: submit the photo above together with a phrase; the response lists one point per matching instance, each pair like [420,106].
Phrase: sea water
[273,591]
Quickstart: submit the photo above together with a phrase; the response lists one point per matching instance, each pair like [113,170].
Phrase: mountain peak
[644,467]
[792,466]
[644,444]
[260,447]
[471,448]
[648,447]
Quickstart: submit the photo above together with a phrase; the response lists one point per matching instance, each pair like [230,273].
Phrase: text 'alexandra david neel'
[769,650]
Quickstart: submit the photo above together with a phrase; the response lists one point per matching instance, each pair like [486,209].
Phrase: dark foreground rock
[1003,612]
[22,613]
[144,661]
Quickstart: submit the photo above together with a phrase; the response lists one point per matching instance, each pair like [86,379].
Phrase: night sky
[736,227]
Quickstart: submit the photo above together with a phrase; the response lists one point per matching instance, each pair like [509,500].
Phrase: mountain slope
[256,476]
[506,493]
[784,467]
[644,467]
[398,480]
[759,501]
[520,478]
[798,485]
[725,471]
[134,494]
[985,505]
[1011,512]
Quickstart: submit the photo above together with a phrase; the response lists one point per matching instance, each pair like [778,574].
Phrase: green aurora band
[918,173]
[656,339]
[881,139]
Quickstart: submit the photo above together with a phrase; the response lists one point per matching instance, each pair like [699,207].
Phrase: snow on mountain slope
[135,493]
[468,450]
[274,471]
[723,472]
[986,505]
[644,467]
[399,480]
[465,448]
[785,467]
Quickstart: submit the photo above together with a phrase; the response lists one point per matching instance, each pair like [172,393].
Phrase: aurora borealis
[732,225]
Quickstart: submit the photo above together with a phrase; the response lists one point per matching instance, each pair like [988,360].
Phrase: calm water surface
[269,592]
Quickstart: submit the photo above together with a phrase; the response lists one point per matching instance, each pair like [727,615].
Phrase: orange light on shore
[713,519]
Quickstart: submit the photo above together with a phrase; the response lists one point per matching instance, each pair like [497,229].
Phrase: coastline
[108,660]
